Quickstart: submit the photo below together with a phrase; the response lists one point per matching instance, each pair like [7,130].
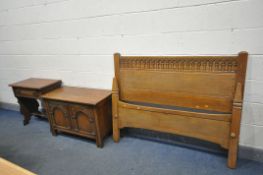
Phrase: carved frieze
[177,64]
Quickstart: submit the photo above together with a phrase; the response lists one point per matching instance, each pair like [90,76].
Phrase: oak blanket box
[84,112]
[194,96]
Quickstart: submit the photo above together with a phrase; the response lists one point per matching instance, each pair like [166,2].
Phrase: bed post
[115,99]
[236,111]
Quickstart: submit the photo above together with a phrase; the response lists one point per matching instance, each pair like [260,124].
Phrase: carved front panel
[59,115]
[83,120]
[178,64]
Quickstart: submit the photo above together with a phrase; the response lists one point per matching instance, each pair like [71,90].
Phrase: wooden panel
[26,93]
[187,89]
[60,117]
[82,119]
[206,129]
[8,168]
[180,63]
[83,122]
[178,111]
[104,116]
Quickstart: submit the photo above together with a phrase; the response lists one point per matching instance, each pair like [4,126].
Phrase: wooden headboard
[199,82]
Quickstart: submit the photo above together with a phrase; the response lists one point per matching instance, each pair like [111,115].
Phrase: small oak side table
[28,91]
[80,111]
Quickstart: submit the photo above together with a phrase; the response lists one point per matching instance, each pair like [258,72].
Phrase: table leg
[27,107]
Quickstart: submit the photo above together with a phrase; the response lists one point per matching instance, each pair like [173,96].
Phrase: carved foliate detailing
[200,64]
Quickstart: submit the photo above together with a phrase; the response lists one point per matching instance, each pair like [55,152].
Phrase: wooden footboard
[211,86]
[206,129]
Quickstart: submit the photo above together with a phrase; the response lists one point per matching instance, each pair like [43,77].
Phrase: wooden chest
[80,111]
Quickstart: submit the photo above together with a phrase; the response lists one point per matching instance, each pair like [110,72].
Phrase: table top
[78,95]
[8,168]
[35,83]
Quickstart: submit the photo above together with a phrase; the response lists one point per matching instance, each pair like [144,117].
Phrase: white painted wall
[74,40]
